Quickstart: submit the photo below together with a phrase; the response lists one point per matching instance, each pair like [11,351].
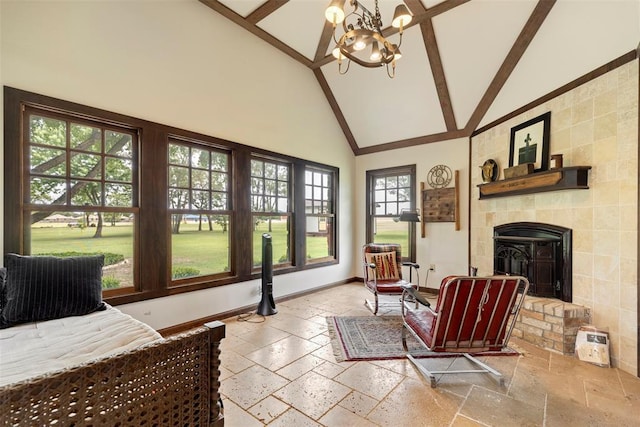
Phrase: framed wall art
[530,143]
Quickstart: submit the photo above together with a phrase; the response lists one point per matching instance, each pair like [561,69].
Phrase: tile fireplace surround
[550,323]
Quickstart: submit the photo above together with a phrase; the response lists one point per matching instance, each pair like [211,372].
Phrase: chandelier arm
[393,67]
[340,67]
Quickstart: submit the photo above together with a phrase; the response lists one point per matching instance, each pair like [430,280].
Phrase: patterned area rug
[375,338]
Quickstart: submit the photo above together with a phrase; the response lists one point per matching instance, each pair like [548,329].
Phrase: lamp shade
[401,16]
[335,11]
[410,215]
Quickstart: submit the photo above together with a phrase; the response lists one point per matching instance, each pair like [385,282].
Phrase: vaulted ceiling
[465,63]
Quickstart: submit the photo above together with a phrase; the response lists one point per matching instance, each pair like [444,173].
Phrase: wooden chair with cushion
[473,315]
[383,272]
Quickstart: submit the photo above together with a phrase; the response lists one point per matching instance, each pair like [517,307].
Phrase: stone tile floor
[280,371]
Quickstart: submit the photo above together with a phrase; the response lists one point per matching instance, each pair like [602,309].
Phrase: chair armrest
[408,289]
[411,264]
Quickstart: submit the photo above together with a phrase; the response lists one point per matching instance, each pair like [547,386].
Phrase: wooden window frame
[153,220]
[371,175]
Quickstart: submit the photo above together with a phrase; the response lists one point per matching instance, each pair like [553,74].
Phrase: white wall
[442,246]
[178,63]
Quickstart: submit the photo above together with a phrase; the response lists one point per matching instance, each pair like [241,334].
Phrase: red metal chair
[383,272]
[473,315]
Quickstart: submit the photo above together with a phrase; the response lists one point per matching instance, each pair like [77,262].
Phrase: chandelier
[362,40]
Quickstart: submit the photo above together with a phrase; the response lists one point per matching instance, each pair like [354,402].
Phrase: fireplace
[539,252]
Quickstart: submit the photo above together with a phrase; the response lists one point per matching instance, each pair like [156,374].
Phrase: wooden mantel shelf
[574,177]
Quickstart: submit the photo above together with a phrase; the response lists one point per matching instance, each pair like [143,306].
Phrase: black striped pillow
[44,287]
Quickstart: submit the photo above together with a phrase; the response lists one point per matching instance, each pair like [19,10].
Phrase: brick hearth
[550,323]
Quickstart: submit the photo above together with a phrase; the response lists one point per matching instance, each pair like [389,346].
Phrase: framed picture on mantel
[530,143]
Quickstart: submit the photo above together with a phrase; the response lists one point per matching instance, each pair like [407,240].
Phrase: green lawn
[203,251]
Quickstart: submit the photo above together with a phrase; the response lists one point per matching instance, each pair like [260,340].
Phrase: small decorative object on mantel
[489,170]
[530,143]
[520,170]
[440,204]
[556,161]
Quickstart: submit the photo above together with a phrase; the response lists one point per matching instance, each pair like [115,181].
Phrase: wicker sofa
[169,382]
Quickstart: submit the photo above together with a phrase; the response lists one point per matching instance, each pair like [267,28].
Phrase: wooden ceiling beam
[239,20]
[336,110]
[439,78]
[410,142]
[325,38]
[265,10]
[538,16]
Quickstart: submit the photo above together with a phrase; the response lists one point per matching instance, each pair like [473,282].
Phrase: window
[80,197]
[319,214]
[199,207]
[172,210]
[389,191]
[271,208]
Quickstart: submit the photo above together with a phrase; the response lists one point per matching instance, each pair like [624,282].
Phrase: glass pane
[200,199]
[379,196]
[308,192]
[200,179]
[326,180]
[404,194]
[269,187]
[219,181]
[256,186]
[85,166]
[219,201]
[379,183]
[392,182]
[118,169]
[47,161]
[119,195]
[379,209]
[199,245]
[118,144]
[404,181]
[86,193]
[392,209]
[392,195]
[320,238]
[308,206]
[386,230]
[283,173]
[317,193]
[219,162]
[47,191]
[178,154]
[178,199]
[283,189]
[178,177]
[308,177]
[278,228]
[270,170]
[47,131]
[257,168]
[325,194]
[257,203]
[86,138]
[88,233]
[200,158]
[283,205]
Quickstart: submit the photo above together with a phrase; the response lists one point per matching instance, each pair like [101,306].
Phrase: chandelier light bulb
[359,44]
[336,53]
[375,52]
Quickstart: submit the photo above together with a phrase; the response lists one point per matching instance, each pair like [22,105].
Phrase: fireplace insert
[540,252]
